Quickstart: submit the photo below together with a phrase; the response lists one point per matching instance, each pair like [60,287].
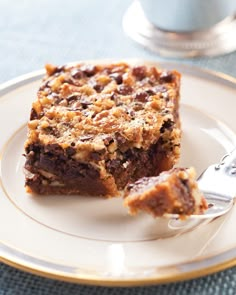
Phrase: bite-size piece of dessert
[172,192]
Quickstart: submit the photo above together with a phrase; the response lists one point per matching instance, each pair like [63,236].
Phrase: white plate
[93,240]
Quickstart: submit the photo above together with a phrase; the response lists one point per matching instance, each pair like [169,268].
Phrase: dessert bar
[94,128]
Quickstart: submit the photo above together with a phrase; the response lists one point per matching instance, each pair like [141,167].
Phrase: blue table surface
[33,33]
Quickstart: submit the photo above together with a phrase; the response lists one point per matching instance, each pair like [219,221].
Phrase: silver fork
[218,184]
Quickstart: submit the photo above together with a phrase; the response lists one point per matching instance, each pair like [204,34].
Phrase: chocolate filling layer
[137,163]
[53,167]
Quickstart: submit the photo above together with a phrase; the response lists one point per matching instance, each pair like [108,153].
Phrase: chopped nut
[85,89]
[128,79]
[44,124]
[56,83]
[155,104]
[109,88]
[112,147]
[37,107]
[33,124]
[50,69]
[103,79]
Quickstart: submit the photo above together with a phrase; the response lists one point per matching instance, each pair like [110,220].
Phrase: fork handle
[220,179]
[228,163]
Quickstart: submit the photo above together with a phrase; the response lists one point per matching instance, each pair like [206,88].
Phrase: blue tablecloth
[33,33]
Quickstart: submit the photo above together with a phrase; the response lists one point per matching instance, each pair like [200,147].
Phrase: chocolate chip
[166,77]
[92,172]
[125,89]
[77,74]
[54,70]
[85,103]
[57,99]
[73,97]
[95,156]
[49,130]
[139,72]
[53,148]
[33,114]
[98,87]
[120,139]
[85,137]
[59,69]
[141,96]
[44,85]
[114,96]
[117,77]
[138,106]
[113,164]
[88,70]
[166,125]
[75,170]
[150,91]
[107,140]
[156,89]
[185,183]
[70,151]
[130,186]
[35,148]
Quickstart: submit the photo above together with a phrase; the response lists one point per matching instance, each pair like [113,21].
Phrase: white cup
[187,15]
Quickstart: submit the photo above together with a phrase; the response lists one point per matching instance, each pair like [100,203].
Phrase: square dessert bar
[94,128]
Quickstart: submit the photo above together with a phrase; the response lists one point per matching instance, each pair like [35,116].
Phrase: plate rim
[10,255]
[93,280]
